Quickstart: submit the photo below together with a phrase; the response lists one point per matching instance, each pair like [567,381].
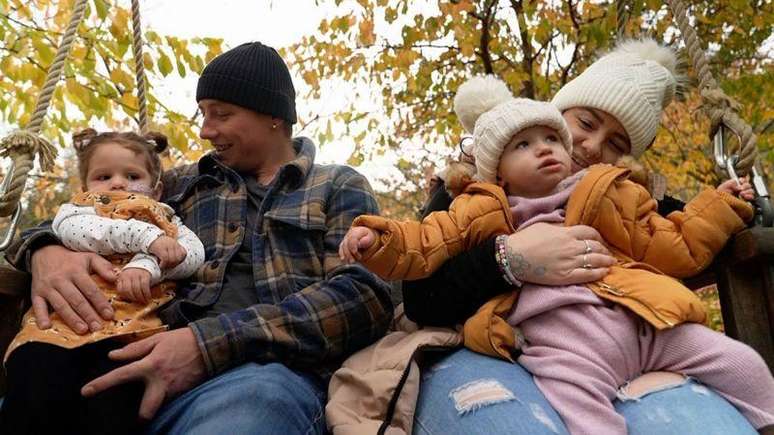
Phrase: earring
[274,126]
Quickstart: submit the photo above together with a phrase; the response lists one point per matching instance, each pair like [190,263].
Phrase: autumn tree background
[97,88]
[413,57]
[407,58]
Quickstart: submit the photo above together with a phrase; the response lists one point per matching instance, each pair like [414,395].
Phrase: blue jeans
[466,393]
[249,399]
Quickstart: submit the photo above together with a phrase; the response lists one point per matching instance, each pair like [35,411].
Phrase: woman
[613,109]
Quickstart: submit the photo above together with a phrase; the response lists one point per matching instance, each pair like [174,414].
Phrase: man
[257,331]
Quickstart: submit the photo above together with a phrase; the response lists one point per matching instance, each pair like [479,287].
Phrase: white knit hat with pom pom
[487,109]
[633,83]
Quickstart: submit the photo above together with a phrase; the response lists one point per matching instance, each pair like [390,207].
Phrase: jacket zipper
[615,291]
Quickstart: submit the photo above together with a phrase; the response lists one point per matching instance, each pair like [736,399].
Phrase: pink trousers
[581,354]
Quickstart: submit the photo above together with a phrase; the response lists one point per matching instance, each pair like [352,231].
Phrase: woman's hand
[553,255]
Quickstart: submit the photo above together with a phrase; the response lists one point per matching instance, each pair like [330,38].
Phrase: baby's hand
[133,284]
[742,190]
[168,251]
[356,240]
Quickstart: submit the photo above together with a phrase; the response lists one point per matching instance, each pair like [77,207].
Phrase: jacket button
[232,227]
[214,265]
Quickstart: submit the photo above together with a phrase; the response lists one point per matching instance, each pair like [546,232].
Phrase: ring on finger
[588,248]
[586,264]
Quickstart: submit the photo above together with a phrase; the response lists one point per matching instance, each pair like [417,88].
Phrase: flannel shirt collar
[293,173]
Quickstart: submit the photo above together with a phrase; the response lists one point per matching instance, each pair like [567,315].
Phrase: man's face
[241,137]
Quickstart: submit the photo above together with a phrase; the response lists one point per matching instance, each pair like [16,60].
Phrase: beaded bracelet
[502,260]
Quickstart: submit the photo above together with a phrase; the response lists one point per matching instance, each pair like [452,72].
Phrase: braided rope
[139,66]
[622,17]
[720,108]
[22,146]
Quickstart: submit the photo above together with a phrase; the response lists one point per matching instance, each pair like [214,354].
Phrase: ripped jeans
[468,393]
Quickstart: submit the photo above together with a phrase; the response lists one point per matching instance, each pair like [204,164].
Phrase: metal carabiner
[764,213]
[9,233]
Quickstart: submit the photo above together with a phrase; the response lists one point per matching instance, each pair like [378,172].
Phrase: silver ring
[588,247]
[586,264]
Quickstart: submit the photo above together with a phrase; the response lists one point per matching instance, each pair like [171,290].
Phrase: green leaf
[164,64]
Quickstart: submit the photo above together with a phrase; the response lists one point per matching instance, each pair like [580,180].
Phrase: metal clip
[764,213]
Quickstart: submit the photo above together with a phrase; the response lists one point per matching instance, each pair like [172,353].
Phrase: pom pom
[477,96]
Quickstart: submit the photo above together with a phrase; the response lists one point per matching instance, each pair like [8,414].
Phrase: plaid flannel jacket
[314,310]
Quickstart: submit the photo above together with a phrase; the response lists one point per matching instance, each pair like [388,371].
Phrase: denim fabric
[468,393]
[250,399]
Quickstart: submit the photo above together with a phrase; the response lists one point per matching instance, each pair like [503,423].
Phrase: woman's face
[597,137]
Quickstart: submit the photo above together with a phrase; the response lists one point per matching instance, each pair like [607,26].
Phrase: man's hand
[60,278]
[168,251]
[133,285]
[356,240]
[553,255]
[169,363]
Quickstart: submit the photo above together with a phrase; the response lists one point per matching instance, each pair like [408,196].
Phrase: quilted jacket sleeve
[681,244]
[412,250]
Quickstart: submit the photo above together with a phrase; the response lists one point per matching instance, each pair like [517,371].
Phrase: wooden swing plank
[13,282]
[745,273]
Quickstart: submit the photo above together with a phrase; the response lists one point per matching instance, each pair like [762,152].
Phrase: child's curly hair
[150,146]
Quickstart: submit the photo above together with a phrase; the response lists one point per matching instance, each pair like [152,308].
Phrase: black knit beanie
[252,76]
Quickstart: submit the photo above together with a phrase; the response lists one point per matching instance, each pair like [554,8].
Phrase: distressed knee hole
[650,383]
[477,394]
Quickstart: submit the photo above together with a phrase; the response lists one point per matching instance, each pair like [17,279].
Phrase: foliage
[98,85]
[99,78]
[709,295]
[409,57]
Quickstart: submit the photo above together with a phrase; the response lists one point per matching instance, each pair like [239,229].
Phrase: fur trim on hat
[478,95]
[457,176]
[649,49]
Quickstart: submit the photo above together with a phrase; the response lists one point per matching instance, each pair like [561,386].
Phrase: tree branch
[486,24]
[528,86]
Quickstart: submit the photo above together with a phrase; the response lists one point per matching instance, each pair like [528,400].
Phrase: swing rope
[23,145]
[721,109]
[139,67]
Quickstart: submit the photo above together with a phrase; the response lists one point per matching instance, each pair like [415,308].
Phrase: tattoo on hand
[539,271]
[519,265]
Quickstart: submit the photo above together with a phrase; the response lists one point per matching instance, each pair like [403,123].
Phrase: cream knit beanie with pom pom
[633,83]
[487,109]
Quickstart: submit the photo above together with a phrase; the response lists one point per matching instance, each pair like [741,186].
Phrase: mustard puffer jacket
[651,250]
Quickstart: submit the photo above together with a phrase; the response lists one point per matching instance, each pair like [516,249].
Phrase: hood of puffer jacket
[375,391]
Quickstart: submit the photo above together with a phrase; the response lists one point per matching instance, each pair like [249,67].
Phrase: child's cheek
[139,187]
